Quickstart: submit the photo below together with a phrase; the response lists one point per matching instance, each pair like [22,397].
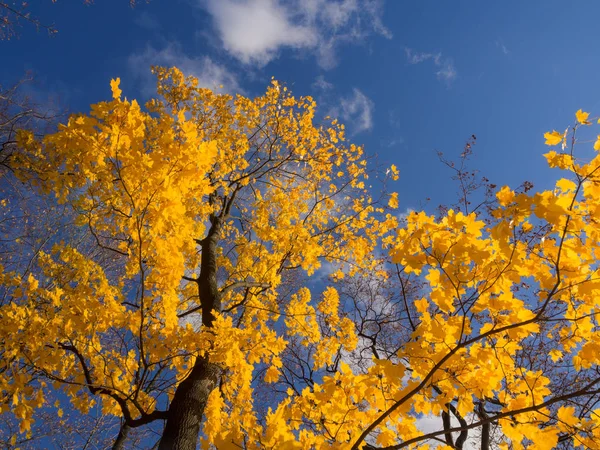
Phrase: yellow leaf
[582,117]
[555,355]
[393,201]
[553,138]
[387,437]
[422,305]
[561,160]
[114,87]
[566,185]
[25,425]
[505,196]
[567,415]
[271,375]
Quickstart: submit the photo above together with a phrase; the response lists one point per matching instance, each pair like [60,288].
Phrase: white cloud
[322,84]
[209,73]
[446,71]
[356,110]
[256,31]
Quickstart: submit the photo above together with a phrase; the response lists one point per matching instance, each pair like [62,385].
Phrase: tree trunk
[187,408]
[121,437]
[485,429]
[447,426]
[485,437]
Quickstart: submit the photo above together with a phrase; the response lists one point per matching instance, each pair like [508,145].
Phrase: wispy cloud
[502,47]
[209,73]
[392,142]
[447,72]
[445,69]
[322,84]
[356,111]
[418,57]
[256,31]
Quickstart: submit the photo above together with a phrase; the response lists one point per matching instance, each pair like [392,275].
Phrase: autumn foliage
[189,290]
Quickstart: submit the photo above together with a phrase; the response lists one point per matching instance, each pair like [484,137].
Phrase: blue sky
[408,78]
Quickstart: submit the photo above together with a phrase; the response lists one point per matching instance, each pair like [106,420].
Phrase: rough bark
[121,437]
[187,408]
[208,289]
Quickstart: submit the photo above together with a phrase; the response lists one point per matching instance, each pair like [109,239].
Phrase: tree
[28,224]
[252,184]
[503,334]
[187,295]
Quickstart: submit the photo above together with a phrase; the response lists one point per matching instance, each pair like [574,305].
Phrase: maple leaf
[582,117]
[553,137]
